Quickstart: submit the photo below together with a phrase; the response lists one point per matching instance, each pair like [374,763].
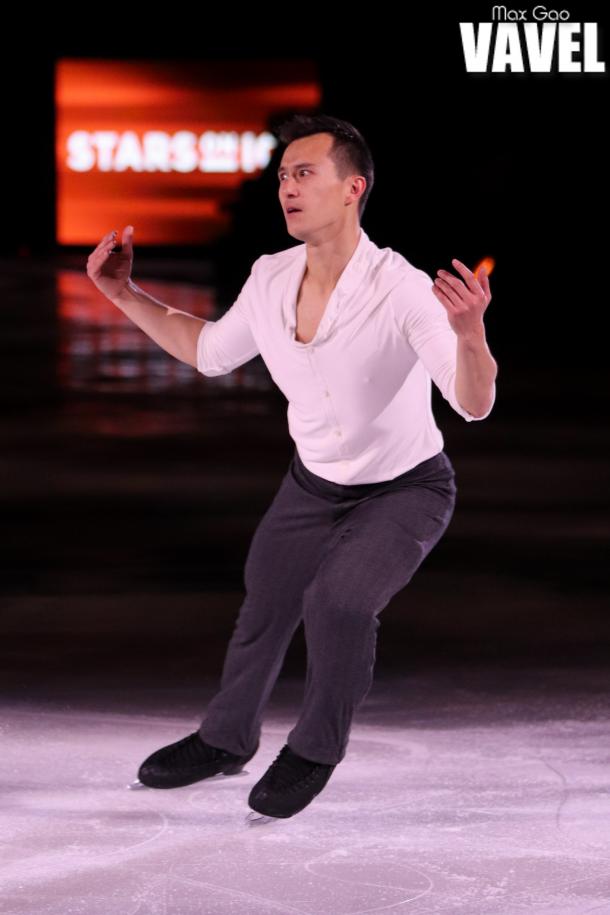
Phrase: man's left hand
[464,300]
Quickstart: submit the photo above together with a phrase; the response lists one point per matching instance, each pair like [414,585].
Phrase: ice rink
[465,790]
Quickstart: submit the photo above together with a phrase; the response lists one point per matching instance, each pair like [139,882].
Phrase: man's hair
[349,151]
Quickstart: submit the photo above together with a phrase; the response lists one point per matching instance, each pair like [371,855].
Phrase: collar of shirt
[347,282]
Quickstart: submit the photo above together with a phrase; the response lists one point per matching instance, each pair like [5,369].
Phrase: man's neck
[327,260]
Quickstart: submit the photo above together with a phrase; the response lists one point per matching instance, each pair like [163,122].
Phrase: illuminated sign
[165,146]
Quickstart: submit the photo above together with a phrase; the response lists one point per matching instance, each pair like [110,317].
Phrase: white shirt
[359,393]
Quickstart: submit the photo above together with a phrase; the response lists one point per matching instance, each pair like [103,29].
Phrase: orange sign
[165,146]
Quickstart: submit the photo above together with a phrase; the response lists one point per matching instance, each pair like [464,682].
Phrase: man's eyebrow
[282,168]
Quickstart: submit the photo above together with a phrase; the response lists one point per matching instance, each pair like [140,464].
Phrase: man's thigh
[288,543]
[379,545]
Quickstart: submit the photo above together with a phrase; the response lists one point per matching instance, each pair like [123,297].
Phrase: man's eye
[300,170]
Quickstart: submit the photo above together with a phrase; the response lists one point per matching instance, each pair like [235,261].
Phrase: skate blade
[220,776]
[257,819]
[134,786]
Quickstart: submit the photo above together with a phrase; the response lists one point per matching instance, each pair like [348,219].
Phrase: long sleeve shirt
[359,393]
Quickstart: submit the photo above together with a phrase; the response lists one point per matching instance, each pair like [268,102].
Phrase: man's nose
[289,186]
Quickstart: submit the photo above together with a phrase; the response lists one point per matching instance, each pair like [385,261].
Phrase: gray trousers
[333,556]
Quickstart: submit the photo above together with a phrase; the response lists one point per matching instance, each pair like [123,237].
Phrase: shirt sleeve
[424,322]
[225,344]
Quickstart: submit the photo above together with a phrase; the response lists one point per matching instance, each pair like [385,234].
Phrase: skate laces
[288,770]
[191,751]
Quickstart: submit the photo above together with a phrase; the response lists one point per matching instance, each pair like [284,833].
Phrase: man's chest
[310,308]
[346,343]
[360,361]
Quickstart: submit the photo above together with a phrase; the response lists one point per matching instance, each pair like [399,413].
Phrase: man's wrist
[475,337]
[126,294]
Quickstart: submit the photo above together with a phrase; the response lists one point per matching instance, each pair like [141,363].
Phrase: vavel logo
[511,42]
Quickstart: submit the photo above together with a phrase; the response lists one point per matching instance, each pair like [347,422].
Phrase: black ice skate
[289,784]
[187,761]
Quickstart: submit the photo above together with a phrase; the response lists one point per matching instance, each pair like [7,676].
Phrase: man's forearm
[475,374]
[175,331]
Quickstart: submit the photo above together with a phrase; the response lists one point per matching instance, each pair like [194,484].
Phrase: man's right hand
[111,272]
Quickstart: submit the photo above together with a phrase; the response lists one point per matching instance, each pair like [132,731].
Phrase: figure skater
[352,334]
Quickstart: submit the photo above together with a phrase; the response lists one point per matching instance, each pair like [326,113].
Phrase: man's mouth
[292,210]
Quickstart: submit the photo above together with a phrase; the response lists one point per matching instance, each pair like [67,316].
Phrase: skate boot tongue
[289,768]
[289,784]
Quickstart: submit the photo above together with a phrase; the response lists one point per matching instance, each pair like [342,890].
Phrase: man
[353,335]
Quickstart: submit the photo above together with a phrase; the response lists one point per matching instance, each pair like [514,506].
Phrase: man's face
[308,180]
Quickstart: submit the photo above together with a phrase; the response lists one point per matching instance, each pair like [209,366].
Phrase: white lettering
[507,48]
[182,153]
[129,153]
[540,52]
[592,64]
[81,155]
[476,53]
[539,13]
[158,151]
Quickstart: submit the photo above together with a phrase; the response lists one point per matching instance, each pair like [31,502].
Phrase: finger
[108,237]
[448,291]
[484,281]
[101,253]
[469,277]
[443,299]
[105,249]
[127,238]
[453,282]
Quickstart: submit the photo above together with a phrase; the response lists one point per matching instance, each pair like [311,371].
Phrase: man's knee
[333,597]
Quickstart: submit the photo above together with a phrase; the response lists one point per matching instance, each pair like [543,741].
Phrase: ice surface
[462,791]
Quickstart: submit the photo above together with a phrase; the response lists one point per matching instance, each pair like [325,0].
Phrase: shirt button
[338,432]
[327,393]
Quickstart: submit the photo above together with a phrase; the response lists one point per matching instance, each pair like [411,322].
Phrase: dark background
[125,549]
[512,165]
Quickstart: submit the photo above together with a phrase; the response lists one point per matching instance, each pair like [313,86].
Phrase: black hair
[349,152]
